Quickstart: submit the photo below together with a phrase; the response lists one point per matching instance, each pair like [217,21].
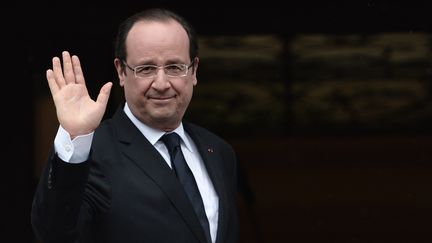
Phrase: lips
[161,100]
[161,97]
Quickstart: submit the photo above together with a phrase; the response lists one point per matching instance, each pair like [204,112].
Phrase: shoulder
[201,131]
[205,134]
[118,126]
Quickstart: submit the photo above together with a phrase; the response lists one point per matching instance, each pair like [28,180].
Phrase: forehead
[150,39]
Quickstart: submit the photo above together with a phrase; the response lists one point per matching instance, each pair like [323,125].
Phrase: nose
[160,81]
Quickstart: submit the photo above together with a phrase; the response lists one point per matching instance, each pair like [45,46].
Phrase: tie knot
[171,140]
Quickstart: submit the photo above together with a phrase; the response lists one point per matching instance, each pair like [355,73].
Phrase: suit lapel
[211,159]
[148,159]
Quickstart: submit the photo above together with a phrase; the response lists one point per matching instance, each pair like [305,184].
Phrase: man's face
[159,101]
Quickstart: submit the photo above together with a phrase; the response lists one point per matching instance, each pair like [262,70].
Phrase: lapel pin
[210,150]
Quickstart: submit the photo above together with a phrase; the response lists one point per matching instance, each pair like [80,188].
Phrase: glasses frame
[133,69]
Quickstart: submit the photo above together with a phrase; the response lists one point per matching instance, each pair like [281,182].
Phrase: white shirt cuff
[72,151]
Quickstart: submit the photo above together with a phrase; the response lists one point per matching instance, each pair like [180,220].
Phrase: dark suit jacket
[126,192]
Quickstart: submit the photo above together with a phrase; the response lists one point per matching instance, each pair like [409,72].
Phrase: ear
[120,71]
[195,70]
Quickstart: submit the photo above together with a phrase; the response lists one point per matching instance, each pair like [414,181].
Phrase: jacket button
[50,178]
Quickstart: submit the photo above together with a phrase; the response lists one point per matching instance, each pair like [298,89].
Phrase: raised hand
[77,113]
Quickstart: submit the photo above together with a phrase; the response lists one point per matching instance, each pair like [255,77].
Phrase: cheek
[183,92]
[184,86]
[135,90]
[134,86]
[187,92]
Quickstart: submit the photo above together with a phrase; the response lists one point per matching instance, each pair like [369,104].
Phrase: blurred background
[327,104]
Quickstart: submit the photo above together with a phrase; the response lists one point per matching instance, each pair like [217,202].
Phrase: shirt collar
[153,135]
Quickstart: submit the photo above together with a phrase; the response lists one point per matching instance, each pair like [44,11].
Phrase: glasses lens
[145,70]
[175,70]
[172,70]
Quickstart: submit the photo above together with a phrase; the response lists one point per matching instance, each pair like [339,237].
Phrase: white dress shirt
[78,150]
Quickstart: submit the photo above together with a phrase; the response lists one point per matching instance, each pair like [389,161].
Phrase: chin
[165,118]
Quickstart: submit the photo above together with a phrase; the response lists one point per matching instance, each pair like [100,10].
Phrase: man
[119,180]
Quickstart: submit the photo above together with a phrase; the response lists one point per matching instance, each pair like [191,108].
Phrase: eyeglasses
[171,70]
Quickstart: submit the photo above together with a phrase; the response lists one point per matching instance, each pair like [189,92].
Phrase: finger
[54,88]
[58,73]
[79,76]
[68,70]
[104,94]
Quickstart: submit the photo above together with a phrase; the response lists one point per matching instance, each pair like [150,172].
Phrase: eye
[145,69]
[175,68]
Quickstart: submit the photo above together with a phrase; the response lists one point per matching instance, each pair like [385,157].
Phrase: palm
[76,111]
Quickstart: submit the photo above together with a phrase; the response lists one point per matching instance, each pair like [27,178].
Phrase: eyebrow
[168,62]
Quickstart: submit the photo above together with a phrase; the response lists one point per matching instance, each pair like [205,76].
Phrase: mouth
[161,97]
[160,100]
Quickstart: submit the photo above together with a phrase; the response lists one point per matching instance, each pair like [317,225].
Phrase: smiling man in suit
[119,179]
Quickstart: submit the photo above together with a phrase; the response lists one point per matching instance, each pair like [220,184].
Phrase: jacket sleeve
[67,198]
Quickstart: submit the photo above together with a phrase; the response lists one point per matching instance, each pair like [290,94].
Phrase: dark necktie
[186,178]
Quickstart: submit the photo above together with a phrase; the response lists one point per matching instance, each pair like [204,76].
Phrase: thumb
[104,94]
